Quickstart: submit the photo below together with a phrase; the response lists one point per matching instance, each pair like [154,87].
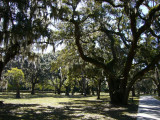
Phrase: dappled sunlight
[49,106]
[148,108]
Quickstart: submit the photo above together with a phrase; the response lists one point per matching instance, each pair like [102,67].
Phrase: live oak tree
[46,75]
[145,86]
[37,72]
[21,24]
[59,68]
[96,77]
[33,73]
[119,30]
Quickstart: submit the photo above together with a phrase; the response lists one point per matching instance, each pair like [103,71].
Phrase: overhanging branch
[148,21]
[81,52]
[145,70]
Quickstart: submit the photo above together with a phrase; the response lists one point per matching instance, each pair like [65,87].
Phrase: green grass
[157,97]
[47,106]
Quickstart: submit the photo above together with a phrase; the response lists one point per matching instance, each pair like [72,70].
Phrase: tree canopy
[118,36]
[22,23]
[122,37]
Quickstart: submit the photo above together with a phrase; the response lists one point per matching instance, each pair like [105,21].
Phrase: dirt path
[149,108]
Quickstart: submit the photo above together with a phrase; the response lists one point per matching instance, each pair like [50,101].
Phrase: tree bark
[119,98]
[117,95]
[99,89]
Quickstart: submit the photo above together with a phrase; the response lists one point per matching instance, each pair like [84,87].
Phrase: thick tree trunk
[117,95]
[119,98]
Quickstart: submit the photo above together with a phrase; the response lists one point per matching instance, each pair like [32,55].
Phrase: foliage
[22,24]
[114,36]
[16,76]
[117,37]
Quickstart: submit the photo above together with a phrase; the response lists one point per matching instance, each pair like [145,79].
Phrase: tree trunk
[67,90]
[81,86]
[84,87]
[133,91]
[59,91]
[88,89]
[99,89]
[98,94]
[55,90]
[158,89]
[139,92]
[33,90]
[118,95]
[73,90]
[119,98]
[18,93]
[154,91]
[1,69]
[92,89]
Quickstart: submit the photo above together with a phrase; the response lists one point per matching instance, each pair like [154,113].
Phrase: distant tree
[157,79]
[146,86]
[16,76]
[60,72]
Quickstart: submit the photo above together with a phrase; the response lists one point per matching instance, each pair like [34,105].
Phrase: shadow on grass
[77,109]
[10,95]
[105,109]
[32,112]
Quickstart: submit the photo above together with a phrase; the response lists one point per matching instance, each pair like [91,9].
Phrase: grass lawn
[157,97]
[47,106]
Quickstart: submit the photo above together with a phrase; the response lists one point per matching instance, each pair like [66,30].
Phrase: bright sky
[50,48]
